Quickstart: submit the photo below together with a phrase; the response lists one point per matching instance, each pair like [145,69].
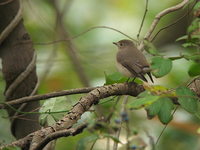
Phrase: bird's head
[124,44]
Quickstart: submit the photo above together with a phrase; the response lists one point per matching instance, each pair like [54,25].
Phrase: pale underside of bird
[130,61]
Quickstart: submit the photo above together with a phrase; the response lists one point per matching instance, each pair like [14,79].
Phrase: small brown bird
[130,61]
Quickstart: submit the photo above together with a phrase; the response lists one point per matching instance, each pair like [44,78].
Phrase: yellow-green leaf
[143,102]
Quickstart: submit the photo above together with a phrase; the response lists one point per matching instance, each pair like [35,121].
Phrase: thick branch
[61,133]
[18,66]
[80,107]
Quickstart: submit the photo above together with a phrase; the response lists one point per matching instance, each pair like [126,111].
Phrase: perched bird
[130,61]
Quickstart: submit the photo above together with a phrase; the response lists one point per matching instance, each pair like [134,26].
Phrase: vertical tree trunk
[16,52]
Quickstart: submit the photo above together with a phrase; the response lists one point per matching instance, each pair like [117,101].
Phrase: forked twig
[176,21]
[157,19]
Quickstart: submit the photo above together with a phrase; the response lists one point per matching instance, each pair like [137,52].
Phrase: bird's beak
[115,43]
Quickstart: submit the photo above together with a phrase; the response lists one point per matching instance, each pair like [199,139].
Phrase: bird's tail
[149,74]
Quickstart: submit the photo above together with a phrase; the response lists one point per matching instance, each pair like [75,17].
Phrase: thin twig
[165,127]
[151,140]
[108,144]
[23,118]
[34,111]
[123,109]
[157,19]
[161,14]
[143,18]
[112,109]
[22,113]
[175,22]
[84,32]
[46,96]
[91,148]
[176,57]
[127,123]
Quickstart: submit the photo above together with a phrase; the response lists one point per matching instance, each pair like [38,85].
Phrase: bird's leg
[133,79]
[127,80]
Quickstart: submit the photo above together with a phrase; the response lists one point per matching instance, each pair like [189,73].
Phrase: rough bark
[16,52]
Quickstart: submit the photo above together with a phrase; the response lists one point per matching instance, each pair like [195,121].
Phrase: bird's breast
[123,70]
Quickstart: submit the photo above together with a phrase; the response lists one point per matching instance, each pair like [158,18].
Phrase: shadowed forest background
[85,60]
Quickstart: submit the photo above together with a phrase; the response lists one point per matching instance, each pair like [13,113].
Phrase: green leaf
[143,102]
[58,105]
[150,48]
[194,26]
[194,70]
[195,37]
[115,139]
[81,145]
[115,78]
[43,120]
[192,57]
[190,38]
[197,114]
[161,66]
[198,130]
[189,44]
[197,6]
[187,99]
[156,88]
[144,94]
[185,37]
[163,108]
[138,81]
[165,113]
[153,109]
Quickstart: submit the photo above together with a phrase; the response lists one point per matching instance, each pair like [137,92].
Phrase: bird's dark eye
[121,44]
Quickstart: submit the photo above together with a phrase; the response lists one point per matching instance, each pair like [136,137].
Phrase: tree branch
[173,23]
[61,133]
[46,96]
[78,109]
[84,32]
[157,19]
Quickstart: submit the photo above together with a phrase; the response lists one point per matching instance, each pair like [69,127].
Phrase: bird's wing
[131,65]
[135,70]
